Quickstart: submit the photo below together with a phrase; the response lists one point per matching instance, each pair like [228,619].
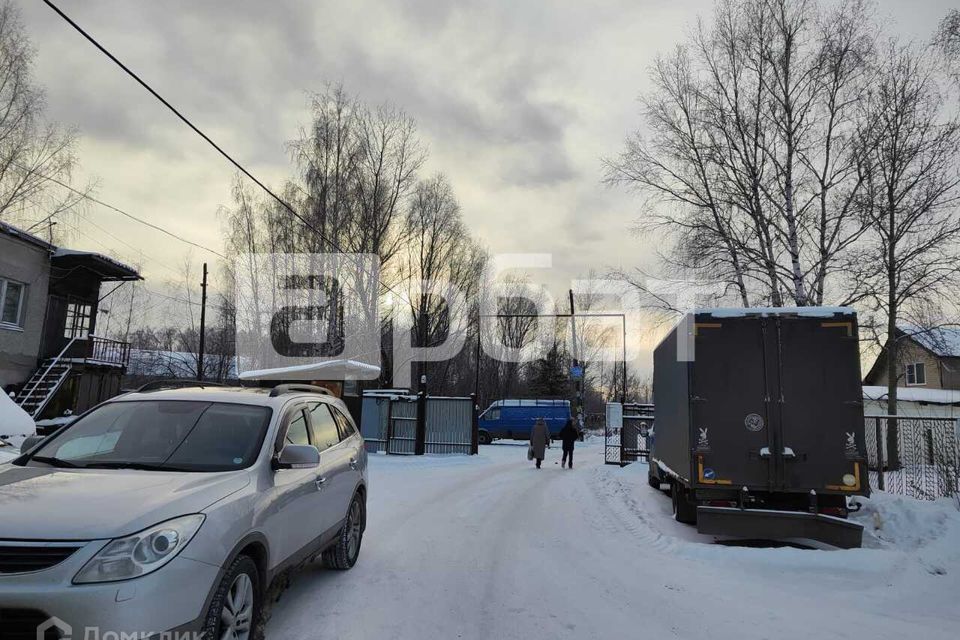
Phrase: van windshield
[161,435]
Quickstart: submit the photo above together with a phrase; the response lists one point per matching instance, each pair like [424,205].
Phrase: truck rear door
[729,404]
[821,418]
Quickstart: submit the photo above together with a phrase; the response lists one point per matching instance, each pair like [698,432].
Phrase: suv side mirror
[298,456]
[30,443]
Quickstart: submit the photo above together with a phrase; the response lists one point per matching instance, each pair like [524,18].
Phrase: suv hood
[40,503]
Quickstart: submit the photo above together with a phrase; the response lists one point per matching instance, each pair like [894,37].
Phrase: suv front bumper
[173,597]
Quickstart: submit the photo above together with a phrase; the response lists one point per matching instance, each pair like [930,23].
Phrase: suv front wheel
[235,609]
[343,555]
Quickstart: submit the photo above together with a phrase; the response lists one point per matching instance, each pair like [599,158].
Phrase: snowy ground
[489,547]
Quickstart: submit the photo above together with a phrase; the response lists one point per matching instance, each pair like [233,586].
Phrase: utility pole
[203,323]
[576,359]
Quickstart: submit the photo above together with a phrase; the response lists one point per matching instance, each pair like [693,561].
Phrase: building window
[12,296]
[916,375]
[78,320]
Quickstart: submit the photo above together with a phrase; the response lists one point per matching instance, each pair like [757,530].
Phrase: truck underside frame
[764,524]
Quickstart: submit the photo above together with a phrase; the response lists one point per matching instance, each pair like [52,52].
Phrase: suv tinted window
[325,434]
[346,426]
[297,431]
[162,434]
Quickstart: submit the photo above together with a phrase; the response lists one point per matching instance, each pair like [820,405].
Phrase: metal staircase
[42,386]
[45,382]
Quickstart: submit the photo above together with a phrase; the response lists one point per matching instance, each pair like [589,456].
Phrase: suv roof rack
[281,389]
[176,383]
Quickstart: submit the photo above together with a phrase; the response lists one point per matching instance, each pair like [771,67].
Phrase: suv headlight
[141,553]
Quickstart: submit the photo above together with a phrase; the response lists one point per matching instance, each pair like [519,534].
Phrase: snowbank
[8,453]
[15,423]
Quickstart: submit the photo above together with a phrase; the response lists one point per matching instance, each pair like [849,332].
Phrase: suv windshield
[166,435]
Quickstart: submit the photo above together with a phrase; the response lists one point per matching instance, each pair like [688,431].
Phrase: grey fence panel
[402,428]
[373,423]
[929,463]
[449,425]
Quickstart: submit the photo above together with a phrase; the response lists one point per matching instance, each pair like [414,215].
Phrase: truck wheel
[684,509]
[653,476]
[485,438]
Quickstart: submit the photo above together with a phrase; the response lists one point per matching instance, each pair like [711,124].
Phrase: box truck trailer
[759,428]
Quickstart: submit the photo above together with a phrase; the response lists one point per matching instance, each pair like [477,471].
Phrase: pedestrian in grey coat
[539,440]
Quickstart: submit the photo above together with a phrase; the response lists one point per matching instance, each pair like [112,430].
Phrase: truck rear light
[839,512]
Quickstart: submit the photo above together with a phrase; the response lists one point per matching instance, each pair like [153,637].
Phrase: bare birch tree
[32,149]
[910,257]
[746,157]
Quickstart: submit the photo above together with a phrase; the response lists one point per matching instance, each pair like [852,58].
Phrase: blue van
[513,419]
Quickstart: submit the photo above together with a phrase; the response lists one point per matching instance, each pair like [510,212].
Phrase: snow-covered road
[489,547]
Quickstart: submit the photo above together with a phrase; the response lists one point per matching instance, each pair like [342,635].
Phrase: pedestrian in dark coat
[569,435]
[539,441]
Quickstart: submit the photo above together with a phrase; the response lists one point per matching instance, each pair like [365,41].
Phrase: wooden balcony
[106,351]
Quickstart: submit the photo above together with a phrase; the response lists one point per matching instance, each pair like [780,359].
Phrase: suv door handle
[320,481]
[353,463]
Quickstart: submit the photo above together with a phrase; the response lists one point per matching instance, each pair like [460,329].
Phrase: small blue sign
[576,372]
[709,474]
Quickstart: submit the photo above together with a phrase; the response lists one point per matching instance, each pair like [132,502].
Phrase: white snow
[488,547]
[15,423]
[8,453]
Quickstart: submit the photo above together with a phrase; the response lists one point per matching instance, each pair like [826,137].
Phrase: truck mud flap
[760,524]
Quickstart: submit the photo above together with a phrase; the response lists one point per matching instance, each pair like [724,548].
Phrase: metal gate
[637,423]
[449,425]
[404,424]
[929,464]
[626,433]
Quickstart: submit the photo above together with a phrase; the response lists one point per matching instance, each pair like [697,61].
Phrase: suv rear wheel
[236,605]
[343,555]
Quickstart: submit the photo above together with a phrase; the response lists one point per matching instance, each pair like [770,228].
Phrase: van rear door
[821,416]
[731,433]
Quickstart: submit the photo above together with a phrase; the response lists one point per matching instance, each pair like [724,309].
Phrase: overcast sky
[517,101]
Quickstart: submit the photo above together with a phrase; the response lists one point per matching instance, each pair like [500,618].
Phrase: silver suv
[173,510]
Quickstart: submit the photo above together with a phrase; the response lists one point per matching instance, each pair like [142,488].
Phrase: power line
[200,133]
[87,196]
[111,249]
[190,124]
[148,291]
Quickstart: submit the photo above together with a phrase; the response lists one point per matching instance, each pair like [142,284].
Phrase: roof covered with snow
[326,370]
[20,234]
[913,394]
[812,312]
[943,341]
[179,364]
[109,269]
